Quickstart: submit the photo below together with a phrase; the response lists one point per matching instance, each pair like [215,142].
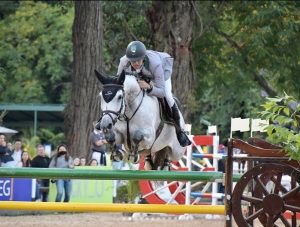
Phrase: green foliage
[246,41]
[128,192]
[240,40]
[123,21]
[284,116]
[44,136]
[7,7]
[30,145]
[51,137]
[36,53]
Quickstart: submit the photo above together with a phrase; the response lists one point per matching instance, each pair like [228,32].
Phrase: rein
[128,119]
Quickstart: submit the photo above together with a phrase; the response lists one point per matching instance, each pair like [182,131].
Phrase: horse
[132,117]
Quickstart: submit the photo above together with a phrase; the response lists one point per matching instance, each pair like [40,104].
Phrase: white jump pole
[189,166]
[215,165]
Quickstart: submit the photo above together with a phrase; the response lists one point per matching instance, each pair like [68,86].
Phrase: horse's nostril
[109,126]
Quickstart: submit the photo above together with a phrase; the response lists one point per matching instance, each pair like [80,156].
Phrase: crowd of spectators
[15,155]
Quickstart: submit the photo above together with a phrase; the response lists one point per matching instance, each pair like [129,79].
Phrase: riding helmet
[135,51]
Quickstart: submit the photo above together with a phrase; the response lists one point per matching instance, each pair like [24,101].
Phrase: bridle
[118,114]
[110,112]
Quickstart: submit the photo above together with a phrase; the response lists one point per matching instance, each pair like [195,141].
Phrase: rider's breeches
[170,99]
[168,92]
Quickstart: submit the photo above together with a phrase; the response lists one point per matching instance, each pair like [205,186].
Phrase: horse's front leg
[142,145]
[115,140]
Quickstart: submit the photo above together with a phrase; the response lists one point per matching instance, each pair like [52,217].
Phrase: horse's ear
[121,78]
[105,79]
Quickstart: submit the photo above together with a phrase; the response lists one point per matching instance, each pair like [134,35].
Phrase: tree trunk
[172,25]
[84,105]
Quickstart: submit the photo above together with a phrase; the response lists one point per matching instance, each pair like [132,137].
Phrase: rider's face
[137,64]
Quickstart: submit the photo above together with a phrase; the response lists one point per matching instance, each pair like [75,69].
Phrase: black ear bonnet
[109,91]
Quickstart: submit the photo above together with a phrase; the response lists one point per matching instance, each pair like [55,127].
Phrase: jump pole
[116,207]
[65,173]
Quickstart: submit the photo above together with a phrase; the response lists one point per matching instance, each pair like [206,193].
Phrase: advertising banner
[18,189]
[93,191]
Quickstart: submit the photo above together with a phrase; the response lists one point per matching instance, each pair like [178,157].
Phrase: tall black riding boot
[181,135]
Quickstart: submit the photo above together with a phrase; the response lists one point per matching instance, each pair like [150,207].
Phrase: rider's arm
[158,88]
[122,65]
[100,142]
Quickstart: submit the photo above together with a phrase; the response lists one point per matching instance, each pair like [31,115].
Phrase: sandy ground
[111,220]
[105,220]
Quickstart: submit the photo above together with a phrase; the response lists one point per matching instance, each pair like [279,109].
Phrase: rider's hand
[144,85]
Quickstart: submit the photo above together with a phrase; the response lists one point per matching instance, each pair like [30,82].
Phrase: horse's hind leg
[161,159]
[148,163]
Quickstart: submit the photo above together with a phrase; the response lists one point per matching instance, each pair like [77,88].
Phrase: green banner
[94,191]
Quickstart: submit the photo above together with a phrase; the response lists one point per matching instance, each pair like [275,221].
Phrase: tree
[172,26]
[84,106]
[36,53]
[249,52]
[124,21]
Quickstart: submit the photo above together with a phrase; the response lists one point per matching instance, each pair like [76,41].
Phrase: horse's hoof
[116,158]
[166,168]
[167,165]
[134,159]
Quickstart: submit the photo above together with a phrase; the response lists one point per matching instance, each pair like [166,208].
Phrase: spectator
[17,152]
[41,160]
[76,161]
[241,161]
[221,166]
[98,146]
[82,161]
[93,162]
[5,158]
[25,160]
[10,146]
[62,159]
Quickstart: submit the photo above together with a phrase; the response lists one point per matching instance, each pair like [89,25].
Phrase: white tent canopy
[7,130]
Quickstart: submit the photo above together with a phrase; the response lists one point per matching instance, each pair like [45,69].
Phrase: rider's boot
[181,135]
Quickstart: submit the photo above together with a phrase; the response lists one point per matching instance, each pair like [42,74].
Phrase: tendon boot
[183,139]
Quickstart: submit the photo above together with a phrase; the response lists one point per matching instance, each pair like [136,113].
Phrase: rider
[155,67]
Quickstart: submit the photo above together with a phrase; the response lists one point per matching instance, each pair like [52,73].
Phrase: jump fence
[55,173]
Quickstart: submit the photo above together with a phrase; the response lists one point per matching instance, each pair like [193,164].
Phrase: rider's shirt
[158,69]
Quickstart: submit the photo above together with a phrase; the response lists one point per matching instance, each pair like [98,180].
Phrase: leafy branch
[284,115]
[257,77]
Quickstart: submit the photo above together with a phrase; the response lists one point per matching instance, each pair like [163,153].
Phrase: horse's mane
[131,85]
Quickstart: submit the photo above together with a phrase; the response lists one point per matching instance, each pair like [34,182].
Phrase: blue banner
[17,189]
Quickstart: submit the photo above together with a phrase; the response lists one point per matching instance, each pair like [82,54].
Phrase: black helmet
[135,51]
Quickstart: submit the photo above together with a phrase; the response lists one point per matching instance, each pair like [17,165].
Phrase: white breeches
[168,92]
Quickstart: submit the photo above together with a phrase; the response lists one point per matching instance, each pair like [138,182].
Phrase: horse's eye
[120,97]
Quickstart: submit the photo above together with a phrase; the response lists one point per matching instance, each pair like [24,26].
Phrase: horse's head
[112,100]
